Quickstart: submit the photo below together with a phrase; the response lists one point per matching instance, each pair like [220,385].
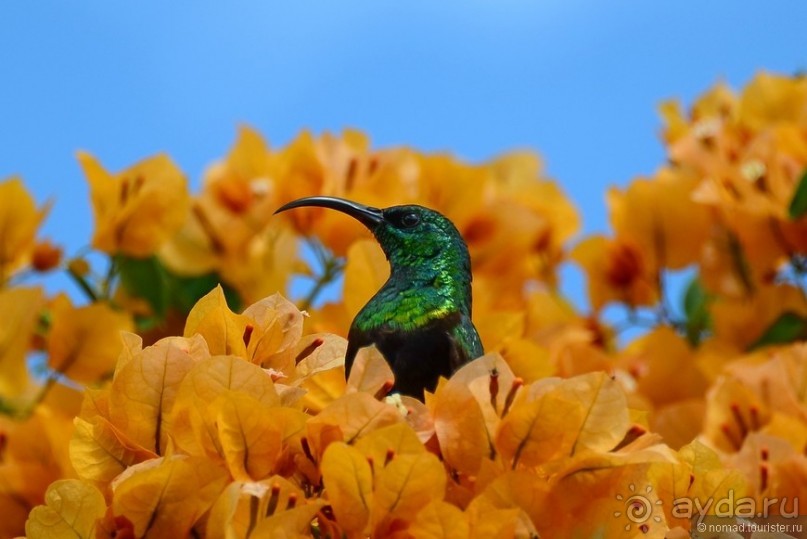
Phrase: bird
[420,319]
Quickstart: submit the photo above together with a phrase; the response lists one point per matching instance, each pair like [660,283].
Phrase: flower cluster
[243,427]
[185,396]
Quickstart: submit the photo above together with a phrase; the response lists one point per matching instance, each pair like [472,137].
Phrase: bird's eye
[410,219]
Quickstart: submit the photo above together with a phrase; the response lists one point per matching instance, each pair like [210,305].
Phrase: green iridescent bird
[420,320]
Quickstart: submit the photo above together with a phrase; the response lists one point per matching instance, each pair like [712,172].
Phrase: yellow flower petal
[370,372]
[366,271]
[384,444]
[467,409]
[84,342]
[137,209]
[354,415]
[349,480]
[223,330]
[99,451]
[165,497]
[192,422]
[248,434]
[19,309]
[277,326]
[405,486]
[440,520]
[19,221]
[71,510]
[144,390]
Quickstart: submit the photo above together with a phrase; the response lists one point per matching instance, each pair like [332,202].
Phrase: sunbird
[420,319]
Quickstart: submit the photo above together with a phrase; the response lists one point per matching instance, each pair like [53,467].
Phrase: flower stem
[83,284]
[332,268]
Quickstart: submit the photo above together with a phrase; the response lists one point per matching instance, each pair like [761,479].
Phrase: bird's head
[411,236]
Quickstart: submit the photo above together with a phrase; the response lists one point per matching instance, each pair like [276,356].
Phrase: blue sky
[578,81]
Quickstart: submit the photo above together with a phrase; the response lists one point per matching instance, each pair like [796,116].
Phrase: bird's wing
[356,339]
[466,343]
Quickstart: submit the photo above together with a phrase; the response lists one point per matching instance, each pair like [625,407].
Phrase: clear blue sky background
[576,80]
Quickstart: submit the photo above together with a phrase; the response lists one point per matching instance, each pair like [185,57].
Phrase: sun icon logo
[638,508]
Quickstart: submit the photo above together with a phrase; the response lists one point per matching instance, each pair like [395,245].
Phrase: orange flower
[739,322]
[19,221]
[46,256]
[19,311]
[734,263]
[659,217]
[244,178]
[617,270]
[771,99]
[238,195]
[521,224]
[84,341]
[35,454]
[748,154]
[231,229]
[138,209]
[664,367]
[341,166]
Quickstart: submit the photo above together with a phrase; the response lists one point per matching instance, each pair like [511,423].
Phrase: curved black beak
[366,215]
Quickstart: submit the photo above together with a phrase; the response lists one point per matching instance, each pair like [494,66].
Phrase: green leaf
[789,327]
[798,205]
[234,301]
[145,278]
[188,290]
[7,409]
[164,291]
[696,309]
